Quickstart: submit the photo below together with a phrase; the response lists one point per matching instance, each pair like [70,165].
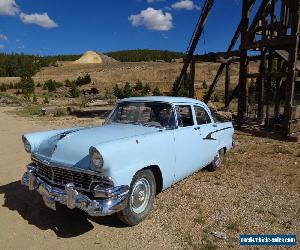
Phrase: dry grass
[257,191]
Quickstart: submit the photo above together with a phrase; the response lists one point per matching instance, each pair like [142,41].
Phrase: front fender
[124,157]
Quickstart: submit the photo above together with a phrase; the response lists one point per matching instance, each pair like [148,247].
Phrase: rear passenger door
[188,156]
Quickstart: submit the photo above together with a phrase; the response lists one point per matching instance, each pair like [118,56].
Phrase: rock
[6,101]
[96,103]
[220,235]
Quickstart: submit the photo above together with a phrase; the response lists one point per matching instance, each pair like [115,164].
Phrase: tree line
[145,55]
[13,65]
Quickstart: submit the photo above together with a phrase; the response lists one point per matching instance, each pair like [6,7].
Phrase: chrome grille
[62,176]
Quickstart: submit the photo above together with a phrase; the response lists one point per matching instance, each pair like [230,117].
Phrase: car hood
[72,146]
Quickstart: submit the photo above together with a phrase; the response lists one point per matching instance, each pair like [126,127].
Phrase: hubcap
[218,159]
[140,195]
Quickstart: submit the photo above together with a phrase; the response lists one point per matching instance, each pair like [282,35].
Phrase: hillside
[145,55]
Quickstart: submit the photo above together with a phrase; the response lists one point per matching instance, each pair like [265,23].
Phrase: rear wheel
[216,163]
[141,198]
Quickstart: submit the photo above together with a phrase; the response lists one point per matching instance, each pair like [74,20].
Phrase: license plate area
[48,199]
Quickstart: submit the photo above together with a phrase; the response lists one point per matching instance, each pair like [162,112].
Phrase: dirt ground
[257,191]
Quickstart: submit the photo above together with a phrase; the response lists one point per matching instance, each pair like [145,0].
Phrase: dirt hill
[91,57]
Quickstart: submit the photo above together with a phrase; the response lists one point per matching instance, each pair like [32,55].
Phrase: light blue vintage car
[145,145]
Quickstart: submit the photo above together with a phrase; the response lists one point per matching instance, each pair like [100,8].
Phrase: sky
[50,27]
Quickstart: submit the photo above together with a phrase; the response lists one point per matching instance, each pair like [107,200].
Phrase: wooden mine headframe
[273,34]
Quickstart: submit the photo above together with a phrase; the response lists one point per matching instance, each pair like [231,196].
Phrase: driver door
[188,143]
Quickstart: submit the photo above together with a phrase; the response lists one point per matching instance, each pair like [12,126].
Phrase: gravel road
[257,191]
[26,223]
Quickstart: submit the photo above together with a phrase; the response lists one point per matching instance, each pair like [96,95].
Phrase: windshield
[154,114]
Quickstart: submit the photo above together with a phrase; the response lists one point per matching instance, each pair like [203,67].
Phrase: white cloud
[21,47]
[185,5]
[3,37]
[42,20]
[8,7]
[2,46]
[152,19]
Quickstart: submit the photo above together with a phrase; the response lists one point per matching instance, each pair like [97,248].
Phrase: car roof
[169,99]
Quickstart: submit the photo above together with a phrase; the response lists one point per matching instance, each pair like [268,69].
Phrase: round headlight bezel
[27,145]
[96,159]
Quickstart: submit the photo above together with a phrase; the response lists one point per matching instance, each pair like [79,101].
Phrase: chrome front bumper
[115,200]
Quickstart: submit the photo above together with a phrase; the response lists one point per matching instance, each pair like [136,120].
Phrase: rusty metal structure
[271,39]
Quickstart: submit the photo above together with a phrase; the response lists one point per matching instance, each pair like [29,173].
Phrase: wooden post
[268,87]
[290,81]
[227,83]
[192,80]
[280,67]
[243,96]
[260,83]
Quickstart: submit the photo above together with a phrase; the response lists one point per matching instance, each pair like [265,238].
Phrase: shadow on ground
[64,222]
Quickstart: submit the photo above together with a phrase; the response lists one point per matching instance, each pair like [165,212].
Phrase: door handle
[197,128]
[215,125]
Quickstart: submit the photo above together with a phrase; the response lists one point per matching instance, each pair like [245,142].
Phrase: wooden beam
[290,81]
[261,87]
[213,56]
[267,74]
[192,80]
[227,83]
[275,43]
[243,93]
[194,41]
[230,47]
[259,14]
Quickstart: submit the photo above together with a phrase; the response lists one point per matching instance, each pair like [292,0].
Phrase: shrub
[59,113]
[74,91]
[156,91]
[118,92]
[3,87]
[39,85]
[138,86]
[69,83]
[11,85]
[127,90]
[46,100]
[83,80]
[26,84]
[52,85]
[26,96]
[146,89]
[34,99]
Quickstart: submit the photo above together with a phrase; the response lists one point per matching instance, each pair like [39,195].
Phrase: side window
[201,115]
[185,116]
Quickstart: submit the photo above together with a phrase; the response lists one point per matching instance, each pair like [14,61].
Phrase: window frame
[179,116]
[206,112]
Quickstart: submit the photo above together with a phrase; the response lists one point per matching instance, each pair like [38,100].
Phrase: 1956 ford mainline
[145,145]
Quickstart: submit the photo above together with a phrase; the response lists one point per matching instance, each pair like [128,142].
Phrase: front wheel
[141,198]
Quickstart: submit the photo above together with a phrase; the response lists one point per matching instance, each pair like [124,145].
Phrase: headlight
[96,158]
[27,145]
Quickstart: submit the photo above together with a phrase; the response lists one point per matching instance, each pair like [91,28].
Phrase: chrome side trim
[72,198]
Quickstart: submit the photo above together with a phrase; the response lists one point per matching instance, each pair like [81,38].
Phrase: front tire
[216,163]
[141,198]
